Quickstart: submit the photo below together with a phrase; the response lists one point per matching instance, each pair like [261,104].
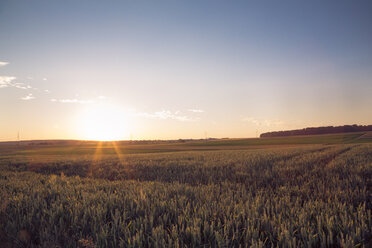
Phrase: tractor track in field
[292,156]
[328,158]
[325,160]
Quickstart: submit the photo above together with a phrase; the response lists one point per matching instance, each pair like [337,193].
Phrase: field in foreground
[304,196]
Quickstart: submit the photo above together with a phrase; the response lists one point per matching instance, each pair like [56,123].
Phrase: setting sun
[104,123]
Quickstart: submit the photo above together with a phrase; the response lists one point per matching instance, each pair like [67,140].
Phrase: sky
[181,69]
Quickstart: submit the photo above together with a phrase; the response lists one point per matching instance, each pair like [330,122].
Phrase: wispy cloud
[196,110]
[261,122]
[3,63]
[22,86]
[28,97]
[76,99]
[8,81]
[166,114]
[71,101]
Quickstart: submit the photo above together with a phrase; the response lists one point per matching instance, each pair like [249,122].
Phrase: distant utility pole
[205,134]
[18,138]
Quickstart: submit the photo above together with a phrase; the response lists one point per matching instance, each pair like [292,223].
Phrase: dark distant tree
[319,130]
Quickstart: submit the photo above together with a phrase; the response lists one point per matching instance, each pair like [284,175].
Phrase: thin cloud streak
[71,101]
[166,114]
[3,63]
[28,97]
[196,110]
[259,122]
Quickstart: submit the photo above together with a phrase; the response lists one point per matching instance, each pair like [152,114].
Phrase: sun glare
[104,123]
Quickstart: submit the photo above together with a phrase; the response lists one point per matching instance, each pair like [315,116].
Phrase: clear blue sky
[180,69]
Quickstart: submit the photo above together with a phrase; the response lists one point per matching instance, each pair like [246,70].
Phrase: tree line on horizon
[319,130]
